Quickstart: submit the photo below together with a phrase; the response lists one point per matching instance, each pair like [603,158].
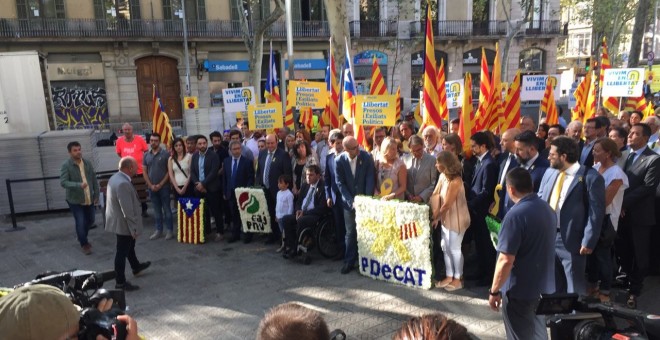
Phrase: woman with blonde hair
[450,211]
[390,167]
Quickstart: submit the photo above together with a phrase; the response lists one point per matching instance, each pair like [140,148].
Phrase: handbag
[607,233]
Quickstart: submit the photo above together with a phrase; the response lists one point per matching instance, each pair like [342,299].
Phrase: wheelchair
[321,236]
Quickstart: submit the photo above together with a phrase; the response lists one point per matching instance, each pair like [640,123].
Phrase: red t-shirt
[136,149]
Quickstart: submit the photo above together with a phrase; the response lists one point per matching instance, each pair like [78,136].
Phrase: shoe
[219,237]
[127,286]
[169,235]
[156,234]
[93,226]
[281,248]
[141,268]
[454,287]
[442,284]
[87,249]
[347,268]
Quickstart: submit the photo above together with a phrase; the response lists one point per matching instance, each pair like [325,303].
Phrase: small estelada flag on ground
[190,217]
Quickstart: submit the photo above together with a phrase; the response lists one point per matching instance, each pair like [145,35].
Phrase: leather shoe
[141,268]
[346,268]
[127,286]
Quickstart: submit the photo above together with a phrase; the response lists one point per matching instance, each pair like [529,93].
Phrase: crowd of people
[592,185]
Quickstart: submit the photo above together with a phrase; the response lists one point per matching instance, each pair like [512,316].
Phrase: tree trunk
[338,24]
[638,33]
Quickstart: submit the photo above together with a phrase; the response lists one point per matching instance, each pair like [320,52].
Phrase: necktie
[308,198]
[629,161]
[267,168]
[233,172]
[554,199]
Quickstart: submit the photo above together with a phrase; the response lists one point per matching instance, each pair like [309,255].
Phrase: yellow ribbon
[496,206]
[386,187]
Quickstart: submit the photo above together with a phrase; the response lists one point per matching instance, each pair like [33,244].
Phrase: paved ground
[221,291]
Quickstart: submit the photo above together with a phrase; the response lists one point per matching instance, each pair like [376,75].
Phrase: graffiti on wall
[79,107]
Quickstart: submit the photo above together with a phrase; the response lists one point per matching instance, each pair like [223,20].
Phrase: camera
[84,288]
[573,317]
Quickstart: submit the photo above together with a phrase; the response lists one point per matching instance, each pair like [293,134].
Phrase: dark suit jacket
[244,175]
[589,161]
[639,198]
[330,181]
[583,210]
[482,187]
[505,202]
[320,204]
[211,166]
[281,165]
[537,170]
[363,183]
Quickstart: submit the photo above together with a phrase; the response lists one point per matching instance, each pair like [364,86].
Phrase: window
[30,9]
[195,10]
[112,10]
[245,10]
[532,60]
[579,44]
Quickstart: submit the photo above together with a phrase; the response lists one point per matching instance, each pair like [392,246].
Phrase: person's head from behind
[519,183]
[284,182]
[38,312]
[292,321]
[431,327]
[128,165]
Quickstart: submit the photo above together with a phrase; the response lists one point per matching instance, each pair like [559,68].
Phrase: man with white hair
[431,136]
[654,123]
[574,130]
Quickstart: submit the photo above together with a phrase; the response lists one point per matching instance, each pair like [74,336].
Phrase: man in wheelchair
[310,208]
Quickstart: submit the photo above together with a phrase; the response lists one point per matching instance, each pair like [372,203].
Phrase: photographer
[44,312]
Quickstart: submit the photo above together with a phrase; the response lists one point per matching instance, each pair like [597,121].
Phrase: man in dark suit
[222,151]
[273,162]
[332,193]
[577,194]
[355,176]
[507,161]
[239,172]
[204,168]
[593,129]
[642,168]
[310,207]
[530,159]
[480,197]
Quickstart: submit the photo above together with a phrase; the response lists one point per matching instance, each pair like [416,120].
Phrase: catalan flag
[465,127]
[161,123]
[332,106]
[548,104]
[398,103]
[430,86]
[442,92]
[288,117]
[272,91]
[580,94]
[512,105]
[484,94]
[610,103]
[495,109]
[640,104]
[590,106]
[306,117]
[377,82]
[190,216]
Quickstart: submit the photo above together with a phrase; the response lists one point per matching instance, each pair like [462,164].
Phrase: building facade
[105,56]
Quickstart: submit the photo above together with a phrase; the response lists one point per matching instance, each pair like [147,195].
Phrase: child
[284,204]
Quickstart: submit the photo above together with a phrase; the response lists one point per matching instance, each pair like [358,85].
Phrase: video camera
[77,285]
[575,317]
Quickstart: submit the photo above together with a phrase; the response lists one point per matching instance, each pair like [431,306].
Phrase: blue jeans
[84,217]
[161,204]
[351,254]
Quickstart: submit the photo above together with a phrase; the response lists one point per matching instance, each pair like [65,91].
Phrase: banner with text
[238,99]
[454,93]
[533,87]
[394,241]
[307,94]
[623,82]
[375,110]
[265,116]
[253,209]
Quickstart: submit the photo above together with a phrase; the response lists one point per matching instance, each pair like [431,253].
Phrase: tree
[338,23]
[638,31]
[514,27]
[253,31]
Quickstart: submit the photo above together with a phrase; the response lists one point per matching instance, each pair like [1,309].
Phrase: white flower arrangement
[394,241]
[253,208]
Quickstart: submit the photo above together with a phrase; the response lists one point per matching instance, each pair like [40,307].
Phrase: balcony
[546,27]
[468,28]
[101,29]
[373,29]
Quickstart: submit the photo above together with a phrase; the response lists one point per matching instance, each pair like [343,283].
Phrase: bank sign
[623,82]
[533,87]
[227,65]
[238,99]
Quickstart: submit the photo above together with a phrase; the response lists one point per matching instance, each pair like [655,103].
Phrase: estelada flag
[190,216]
[272,90]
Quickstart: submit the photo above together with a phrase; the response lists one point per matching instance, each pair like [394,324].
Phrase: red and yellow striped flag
[190,218]
[548,104]
[590,106]
[377,82]
[332,106]
[161,122]
[465,127]
[442,92]
[430,79]
[640,104]
[610,103]
[398,104]
[484,94]
[512,105]
[306,117]
[495,111]
[580,94]
[288,116]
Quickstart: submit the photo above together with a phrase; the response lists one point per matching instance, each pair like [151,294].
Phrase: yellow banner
[375,110]
[265,116]
[307,94]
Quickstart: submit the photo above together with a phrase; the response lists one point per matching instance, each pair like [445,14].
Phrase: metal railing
[143,28]
[544,27]
[469,28]
[372,29]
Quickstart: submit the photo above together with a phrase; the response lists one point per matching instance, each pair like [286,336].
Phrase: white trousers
[451,248]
